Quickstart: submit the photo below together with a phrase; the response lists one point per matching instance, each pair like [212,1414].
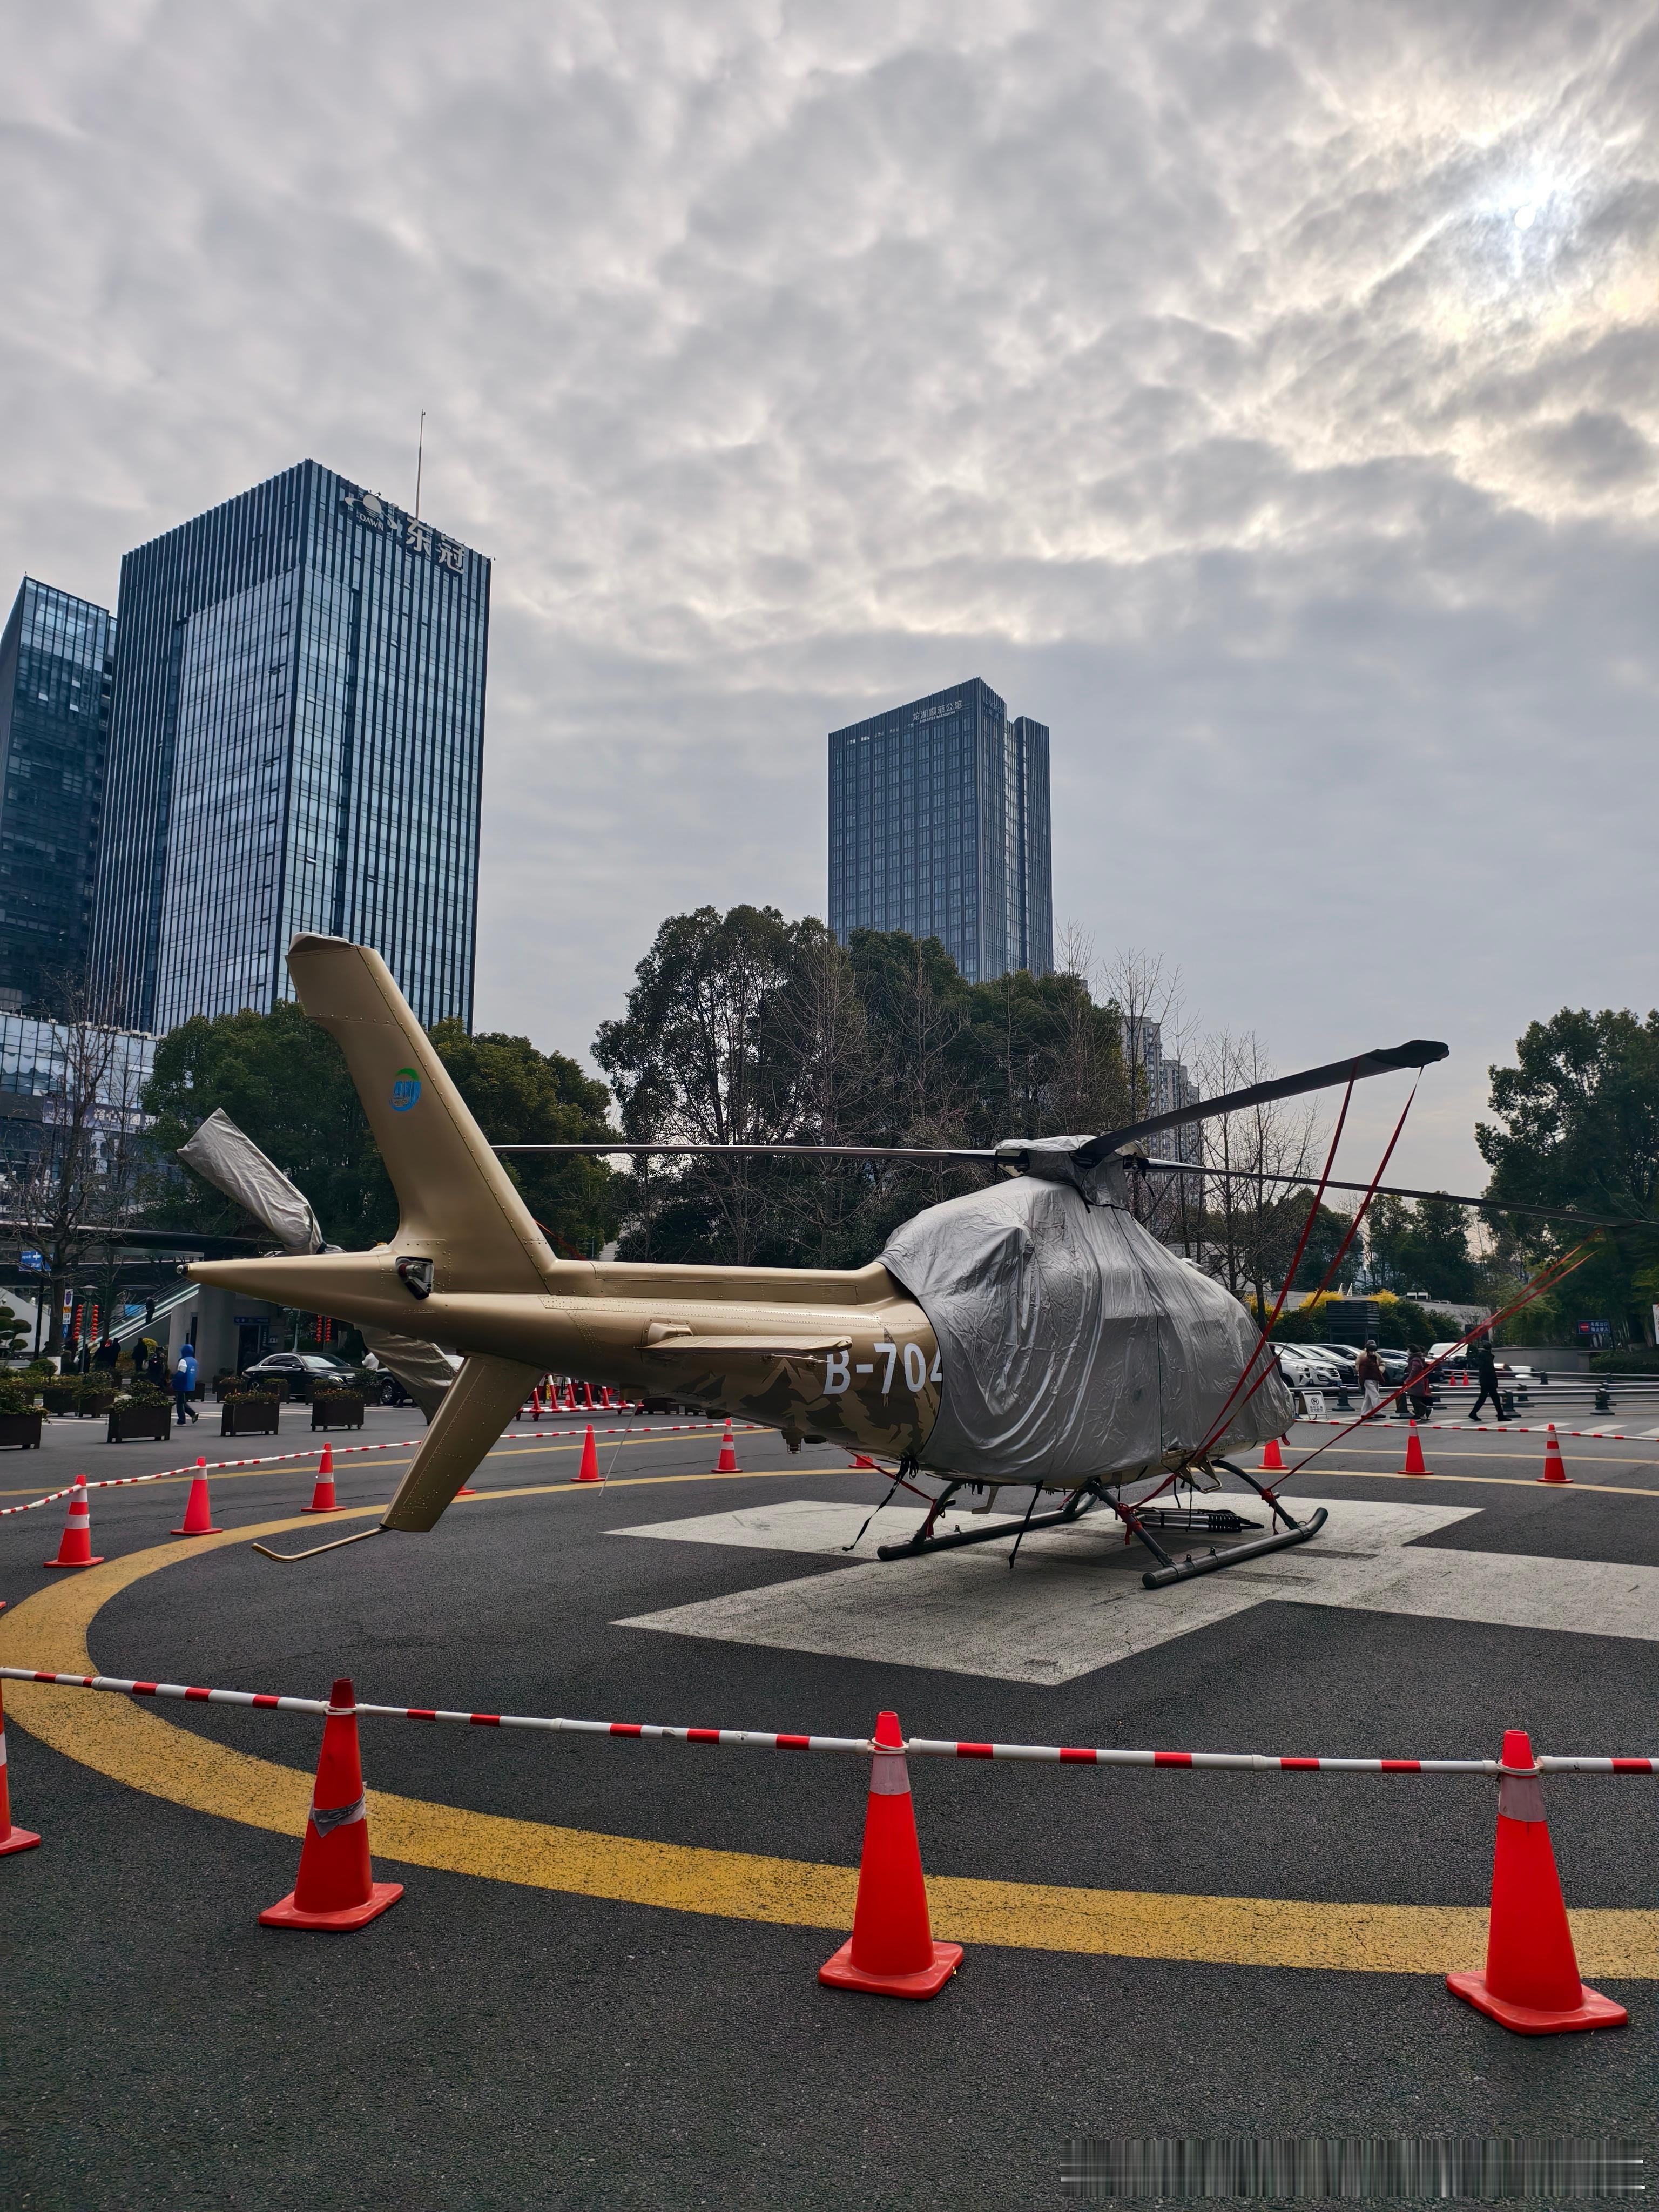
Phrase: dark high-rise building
[939,824]
[55,661]
[297,743]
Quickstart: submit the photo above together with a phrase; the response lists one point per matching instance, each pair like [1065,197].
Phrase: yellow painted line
[131,1745]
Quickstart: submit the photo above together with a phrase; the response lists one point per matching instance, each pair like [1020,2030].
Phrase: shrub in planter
[337,1409]
[132,1419]
[248,1412]
[20,1417]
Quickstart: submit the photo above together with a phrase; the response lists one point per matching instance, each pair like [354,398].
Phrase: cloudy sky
[1263,396]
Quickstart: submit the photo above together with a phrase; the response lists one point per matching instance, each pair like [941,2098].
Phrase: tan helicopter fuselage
[848,1358]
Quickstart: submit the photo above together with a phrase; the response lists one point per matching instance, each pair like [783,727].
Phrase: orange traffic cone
[588,1407]
[1414,1461]
[536,1403]
[336,1887]
[198,1514]
[727,1461]
[892,1952]
[323,1499]
[75,1545]
[607,1400]
[1555,1467]
[1531,1983]
[11,1839]
[1273,1460]
[863,1459]
[589,1469]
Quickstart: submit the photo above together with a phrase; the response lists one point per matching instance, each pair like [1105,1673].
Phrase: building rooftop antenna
[420,455]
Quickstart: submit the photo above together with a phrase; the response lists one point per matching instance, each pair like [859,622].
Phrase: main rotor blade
[1398,1190]
[772,1152]
[1419,1053]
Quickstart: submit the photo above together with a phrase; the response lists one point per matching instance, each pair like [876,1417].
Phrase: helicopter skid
[1213,1561]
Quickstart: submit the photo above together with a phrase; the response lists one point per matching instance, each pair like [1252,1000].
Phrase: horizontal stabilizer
[776,1347]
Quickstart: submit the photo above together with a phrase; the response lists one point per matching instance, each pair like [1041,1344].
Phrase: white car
[1303,1371]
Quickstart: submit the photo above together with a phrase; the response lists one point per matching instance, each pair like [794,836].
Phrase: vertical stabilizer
[458,1206]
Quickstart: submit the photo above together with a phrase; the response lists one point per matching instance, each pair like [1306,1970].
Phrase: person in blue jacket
[183,1385]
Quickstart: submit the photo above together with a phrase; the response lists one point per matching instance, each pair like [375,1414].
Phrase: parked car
[1341,1357]
[1462,1363]
[1303,1370]
[300,1371]
[1393,1357]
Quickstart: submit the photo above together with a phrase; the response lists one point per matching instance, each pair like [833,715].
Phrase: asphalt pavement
[496,2041]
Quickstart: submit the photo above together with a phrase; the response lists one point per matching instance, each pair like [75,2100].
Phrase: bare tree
[73,1176]
[1252,1226]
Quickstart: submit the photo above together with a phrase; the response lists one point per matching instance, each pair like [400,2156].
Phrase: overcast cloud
[1264,395]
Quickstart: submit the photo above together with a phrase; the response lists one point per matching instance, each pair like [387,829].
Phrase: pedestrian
[155,1368]
[1485,1374]
[1368,1369]
[183,1385]
[1418,1384]
[108,1354]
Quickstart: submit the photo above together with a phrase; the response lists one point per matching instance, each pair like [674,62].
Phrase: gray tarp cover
[228,1158]
[224,1156]
[1071,1342]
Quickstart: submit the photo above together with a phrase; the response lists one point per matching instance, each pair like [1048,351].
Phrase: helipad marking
[1077,1602]
[137,1747]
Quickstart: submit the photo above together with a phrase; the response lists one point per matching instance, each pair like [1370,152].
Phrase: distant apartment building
[55,669]
[938,825]
[1161,1084]
[295,744]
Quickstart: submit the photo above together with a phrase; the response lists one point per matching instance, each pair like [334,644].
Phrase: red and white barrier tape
[1610,1435]
[342,1451]
[1248,1762]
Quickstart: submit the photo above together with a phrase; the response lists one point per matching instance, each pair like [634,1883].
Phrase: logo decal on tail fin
[405,1089]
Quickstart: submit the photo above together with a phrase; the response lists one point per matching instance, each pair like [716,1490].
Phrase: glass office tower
[55,664]
[939,824]
[297,743]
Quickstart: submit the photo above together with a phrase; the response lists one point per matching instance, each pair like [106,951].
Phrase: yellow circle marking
[130,1743]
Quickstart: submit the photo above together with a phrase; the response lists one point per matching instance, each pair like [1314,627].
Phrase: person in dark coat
[156,1371]
[1485,1371]
[108,1354]
[1418,1383]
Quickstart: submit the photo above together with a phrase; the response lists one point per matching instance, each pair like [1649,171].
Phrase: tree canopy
[1576,1124]
[285,1082]
[744,1027]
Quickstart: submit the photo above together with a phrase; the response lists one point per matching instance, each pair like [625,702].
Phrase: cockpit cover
[1071,1342]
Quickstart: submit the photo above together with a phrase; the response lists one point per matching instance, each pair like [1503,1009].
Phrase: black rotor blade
[1398,1190]
[771,1151]
[1421,1052]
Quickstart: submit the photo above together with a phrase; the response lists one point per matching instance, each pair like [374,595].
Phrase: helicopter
[1033,1334]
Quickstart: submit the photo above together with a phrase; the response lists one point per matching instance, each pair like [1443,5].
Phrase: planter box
[60,1400]
[339,1409]
[248,1417]
[20,1429]
[130,1424]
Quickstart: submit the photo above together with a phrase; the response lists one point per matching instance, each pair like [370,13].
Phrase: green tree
[710,1050]
[1423,1246]
[1577,1125]
[285,1082]
[520,1095]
